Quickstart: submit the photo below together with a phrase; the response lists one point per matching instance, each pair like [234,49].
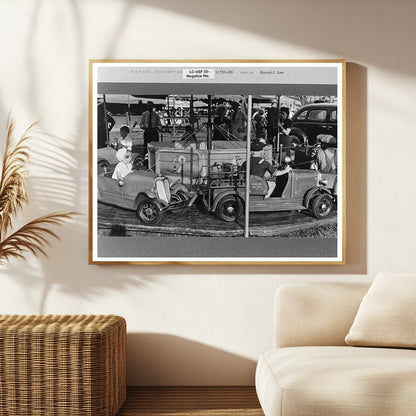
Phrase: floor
[191,401]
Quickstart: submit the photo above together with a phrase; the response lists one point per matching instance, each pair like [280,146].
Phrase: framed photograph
[214,162]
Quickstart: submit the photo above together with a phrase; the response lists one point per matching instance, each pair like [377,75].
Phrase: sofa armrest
[309,314]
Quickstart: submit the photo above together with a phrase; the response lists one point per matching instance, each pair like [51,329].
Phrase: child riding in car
[118,143]
[259,166]
[124,165]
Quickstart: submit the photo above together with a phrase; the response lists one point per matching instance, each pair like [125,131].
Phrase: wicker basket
[72,365]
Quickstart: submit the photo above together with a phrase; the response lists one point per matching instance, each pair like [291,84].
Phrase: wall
[203,324]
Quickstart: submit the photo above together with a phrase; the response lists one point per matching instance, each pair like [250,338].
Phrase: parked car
[314,119]
[148,194]
[299,189]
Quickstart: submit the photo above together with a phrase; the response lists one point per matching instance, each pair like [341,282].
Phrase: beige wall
[202,324]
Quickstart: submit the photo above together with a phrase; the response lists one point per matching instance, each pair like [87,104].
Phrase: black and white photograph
[217,162]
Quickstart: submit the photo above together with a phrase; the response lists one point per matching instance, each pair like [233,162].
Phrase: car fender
[148,194]
[102,160]
[221,195]
[103,166]
[179,187]
[299,133]
[313,192]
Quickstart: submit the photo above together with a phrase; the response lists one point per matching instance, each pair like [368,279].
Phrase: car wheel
[102,166]
[294,143]
[179,196]
[229,208]
[139,163]
[322,206]
[148,211]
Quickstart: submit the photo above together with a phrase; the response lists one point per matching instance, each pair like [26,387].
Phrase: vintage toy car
[314,119]
[106,158]
[148,194]
[300,189]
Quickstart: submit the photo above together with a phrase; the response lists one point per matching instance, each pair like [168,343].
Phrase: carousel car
[148,194]
[106,158]
[312,120]
[299,189]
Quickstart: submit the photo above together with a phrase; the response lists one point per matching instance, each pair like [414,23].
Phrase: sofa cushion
[387,314]
[315,314]
[304,381]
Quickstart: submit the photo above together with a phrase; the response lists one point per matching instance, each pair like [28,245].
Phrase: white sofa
[311,371]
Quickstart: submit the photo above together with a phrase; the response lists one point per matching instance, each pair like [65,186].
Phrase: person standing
[103,117]
[285,123]
[272,122]
[238,121]
[150,123]
[222,124]
[285,138]
[260,125]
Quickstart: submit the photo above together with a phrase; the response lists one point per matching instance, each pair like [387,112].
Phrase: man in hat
[259,166]
[150,123]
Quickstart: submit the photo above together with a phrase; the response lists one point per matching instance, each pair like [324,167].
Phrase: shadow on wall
[56,184]
[337,28]
[53,187]
[161,359]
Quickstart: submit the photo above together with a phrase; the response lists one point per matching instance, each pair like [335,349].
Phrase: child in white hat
[124,165]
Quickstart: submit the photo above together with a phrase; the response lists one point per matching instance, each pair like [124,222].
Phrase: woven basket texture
[53,365]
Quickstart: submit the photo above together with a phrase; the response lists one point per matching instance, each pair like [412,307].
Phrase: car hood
[110,191]
[138,179]
[107,153]
[141,177]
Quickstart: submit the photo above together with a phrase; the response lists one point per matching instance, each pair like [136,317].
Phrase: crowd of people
[230,121]
[269,127]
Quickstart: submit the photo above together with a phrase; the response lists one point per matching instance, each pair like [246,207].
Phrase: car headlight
[163,189]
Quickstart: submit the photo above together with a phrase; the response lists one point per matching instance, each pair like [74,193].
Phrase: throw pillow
[387,314]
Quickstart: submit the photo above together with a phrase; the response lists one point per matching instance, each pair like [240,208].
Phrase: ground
[196,222]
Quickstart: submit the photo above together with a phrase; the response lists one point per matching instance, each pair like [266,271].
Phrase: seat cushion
[341,381]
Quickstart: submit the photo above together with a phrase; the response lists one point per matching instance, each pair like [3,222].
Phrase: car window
[303,115]
[317,115]
[333,115]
